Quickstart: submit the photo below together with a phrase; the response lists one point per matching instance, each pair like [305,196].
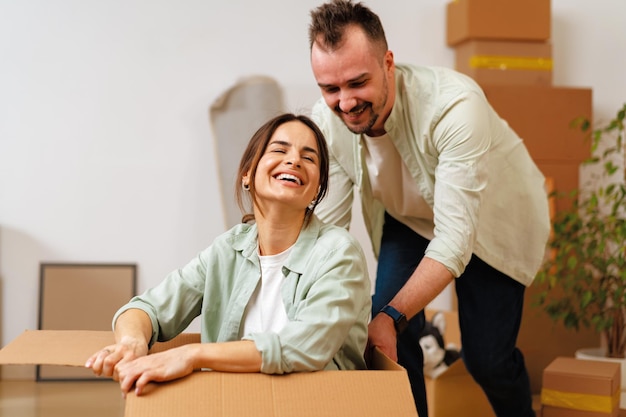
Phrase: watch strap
[399,319]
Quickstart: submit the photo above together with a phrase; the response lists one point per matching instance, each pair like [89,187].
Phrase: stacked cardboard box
[500,42]
[582,388]
[505,46]
[542,117]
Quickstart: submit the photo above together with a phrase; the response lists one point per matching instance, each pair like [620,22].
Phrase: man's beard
[374,113]
[360,129]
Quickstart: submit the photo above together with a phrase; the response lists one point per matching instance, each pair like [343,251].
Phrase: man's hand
[382,334]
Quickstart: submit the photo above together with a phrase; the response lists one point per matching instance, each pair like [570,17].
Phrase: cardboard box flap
[70,347]
[326,393]
[382,362]
[54,347]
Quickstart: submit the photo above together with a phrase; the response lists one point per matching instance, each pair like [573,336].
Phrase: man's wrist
[399,319]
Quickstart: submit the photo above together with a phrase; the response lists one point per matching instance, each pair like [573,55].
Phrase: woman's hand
[163,366]
[105,361]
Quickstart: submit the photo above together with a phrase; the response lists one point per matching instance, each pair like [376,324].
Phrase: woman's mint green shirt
[488,196]
[326,294]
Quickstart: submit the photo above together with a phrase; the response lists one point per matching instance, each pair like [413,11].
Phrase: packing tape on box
[510,62]
[578,401]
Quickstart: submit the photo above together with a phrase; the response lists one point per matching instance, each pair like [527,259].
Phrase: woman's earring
[244,186]
[312,205]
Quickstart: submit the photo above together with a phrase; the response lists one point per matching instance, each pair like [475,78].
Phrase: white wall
[106,153]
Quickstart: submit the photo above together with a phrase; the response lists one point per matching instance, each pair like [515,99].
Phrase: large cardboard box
[581,388]
[384,390]
[503,62]
[527,20]
[542,116]
[454,393]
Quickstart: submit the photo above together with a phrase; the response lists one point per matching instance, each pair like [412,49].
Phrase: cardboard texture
[501,62]
[381,391]
[542,117]
[581,388]
[496,19]
[454,393]
[342,393]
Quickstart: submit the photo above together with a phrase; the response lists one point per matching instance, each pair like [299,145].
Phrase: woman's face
[289,171]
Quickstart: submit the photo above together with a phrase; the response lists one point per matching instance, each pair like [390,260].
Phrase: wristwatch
[399,319]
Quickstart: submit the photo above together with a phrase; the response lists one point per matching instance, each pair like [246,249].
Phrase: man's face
[354,82]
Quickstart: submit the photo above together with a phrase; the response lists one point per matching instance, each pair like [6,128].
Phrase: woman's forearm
[133,324]
[236,356]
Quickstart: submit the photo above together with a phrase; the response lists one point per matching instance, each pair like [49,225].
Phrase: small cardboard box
[503,62]
[384,390]
[527,20]
[454,393]
[581,388]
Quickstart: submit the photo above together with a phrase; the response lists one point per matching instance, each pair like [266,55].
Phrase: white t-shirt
[265,311]
[395,188]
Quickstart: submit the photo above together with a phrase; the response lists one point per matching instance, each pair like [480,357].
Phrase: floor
[60,399]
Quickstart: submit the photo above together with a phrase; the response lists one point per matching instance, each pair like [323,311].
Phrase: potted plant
[583,281]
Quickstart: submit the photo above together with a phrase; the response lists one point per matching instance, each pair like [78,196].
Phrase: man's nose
[347,102]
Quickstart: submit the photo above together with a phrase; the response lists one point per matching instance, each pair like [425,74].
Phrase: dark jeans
[490,311]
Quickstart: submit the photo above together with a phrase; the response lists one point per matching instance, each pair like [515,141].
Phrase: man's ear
[390,65]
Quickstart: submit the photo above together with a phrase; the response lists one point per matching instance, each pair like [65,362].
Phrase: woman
[281,292]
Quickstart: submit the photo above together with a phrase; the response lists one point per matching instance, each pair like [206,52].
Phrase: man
[448,190]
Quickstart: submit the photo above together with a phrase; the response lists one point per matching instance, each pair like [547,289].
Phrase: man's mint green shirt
[488,196]
[326,294]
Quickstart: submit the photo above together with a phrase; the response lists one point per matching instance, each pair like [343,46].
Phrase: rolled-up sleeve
[173,303]
[462,140]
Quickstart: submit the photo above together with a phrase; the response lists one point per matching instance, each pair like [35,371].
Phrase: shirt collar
[244,239]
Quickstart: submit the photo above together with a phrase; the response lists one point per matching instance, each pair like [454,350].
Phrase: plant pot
[599,354]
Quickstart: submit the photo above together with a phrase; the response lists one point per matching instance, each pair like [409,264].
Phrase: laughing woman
[281,292]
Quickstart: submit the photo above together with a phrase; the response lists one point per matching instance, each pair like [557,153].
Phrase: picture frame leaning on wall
[80,296]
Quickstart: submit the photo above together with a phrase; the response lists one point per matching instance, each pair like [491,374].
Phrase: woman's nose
[293,158]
